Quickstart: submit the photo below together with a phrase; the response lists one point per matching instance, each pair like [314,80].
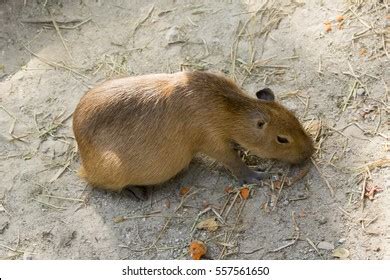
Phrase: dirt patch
[327,60]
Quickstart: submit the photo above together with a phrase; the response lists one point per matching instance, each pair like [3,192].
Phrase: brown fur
[144,130]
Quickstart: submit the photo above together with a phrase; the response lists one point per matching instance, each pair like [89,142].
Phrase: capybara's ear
[265,94]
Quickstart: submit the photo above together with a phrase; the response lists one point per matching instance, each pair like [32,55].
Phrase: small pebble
[341,240]
[173,35]
[27,256]
[322,220]
[301,195]
[360,91]
[387,22]
[325,245]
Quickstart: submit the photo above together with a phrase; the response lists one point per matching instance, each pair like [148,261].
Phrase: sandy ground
[337,82]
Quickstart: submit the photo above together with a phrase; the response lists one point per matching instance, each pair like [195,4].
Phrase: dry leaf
[197,249]
[184,190]
[244,192]
[363,52]
[119,219]
[327,26]
[313,127]
[277,184]
[208,224]
[339,18]
[371,190]
[229,189]
[167,203]
[341,253]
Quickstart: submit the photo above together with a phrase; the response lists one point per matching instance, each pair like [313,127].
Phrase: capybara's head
[269,130]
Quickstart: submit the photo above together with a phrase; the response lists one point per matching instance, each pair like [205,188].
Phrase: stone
[325,245]
[360,91]
[174,35]
[341,240]
[4,224]
[322,220]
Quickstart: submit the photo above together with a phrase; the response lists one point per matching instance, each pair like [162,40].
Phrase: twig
[153,245]
[54,64]
[379,122]
[323,178]
[13,250]
[272,66]
[197,218]
[297,234]
[141,21]
[358,17]
[54,127]
[231,205]
[371,165]
[59,172]
[311,243]
[243,203]
[184,198]
[349,95]
[48,21]
[386,90]
[344,212]
[75,26]
[167,223]
[65,198]
[236,42]
[320,65]
[192,23]
[225,205]
[250,252]
[60,35]
[8,112]
[50,205]
[280,190]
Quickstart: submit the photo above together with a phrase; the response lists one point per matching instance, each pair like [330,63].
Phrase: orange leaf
[245,193]
[363,52]
[371,190]
[209,224]
[197,249]
[327,26]
[184,190]
[339,18]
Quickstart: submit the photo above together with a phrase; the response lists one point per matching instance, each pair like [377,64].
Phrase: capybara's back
[129,132]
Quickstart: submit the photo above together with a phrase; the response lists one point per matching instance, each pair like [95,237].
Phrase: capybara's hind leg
[82,172]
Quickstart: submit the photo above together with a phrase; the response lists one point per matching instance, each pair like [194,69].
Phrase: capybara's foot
[136,193]
[253,177]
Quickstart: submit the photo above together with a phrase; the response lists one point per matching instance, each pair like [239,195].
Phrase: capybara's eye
[282,140]
[260,124]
